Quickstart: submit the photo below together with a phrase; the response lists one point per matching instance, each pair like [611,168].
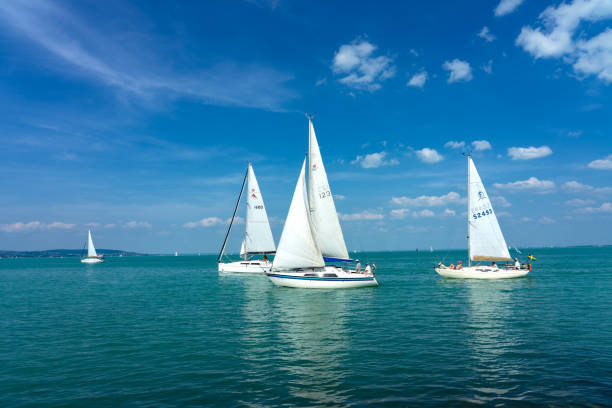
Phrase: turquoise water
[170,331]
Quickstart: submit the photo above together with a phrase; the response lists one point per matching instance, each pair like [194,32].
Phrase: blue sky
[138,118]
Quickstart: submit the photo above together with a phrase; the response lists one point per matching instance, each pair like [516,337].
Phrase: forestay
[91,250]
[297,247]
[258,237]
[486,239]
[323,215]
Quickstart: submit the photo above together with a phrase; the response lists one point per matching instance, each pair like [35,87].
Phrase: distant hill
[64,253]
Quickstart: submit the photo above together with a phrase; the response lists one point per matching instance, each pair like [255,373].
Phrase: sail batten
[324,218]
[486,241]
[297,247]
[91,250]
[258,235]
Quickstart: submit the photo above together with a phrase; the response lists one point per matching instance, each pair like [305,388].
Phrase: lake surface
[171,331]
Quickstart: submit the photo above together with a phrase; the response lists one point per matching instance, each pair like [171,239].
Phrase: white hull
[328,278]
[245,267]
[481,272]
[92,260]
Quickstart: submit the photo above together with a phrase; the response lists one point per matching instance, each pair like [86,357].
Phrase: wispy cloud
[427,155]
[374,160]
[454,145]
[480,145]
[418,80]
[554,38]
[360,69]
[602,164]
[485,34]
[604,208]
[532,184]
[123,65]
[213,222]
[459,71]
[361,216]
[137,224]
[35,225]
[506,7]
[406,212]
[529,153]
[428,201]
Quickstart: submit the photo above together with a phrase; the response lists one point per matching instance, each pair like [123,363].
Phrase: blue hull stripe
[312,278]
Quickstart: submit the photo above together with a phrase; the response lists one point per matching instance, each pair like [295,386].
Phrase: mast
[233,216]
[468,213]
[308,161]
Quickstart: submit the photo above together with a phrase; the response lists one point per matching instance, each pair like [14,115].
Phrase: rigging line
[233,215]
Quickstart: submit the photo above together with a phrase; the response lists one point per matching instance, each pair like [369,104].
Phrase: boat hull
[322,279]
[481,272]
[92,260]
[246,267]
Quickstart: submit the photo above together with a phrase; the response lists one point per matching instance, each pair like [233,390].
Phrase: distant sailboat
[92,256]
[312,234]
[175,253]
[431,249]
[485,239]
[258,239]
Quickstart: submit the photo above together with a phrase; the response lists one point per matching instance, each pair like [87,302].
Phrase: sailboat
[312,234]
[92,256]
[258,239]
[485,239]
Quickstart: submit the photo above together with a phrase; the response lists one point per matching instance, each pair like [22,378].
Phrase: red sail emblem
[314,166]
[253,193]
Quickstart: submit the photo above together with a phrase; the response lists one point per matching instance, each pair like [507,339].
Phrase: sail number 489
[482,214]
[259,207]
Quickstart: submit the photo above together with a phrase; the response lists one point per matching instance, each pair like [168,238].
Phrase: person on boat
[451,266]
[517,264]
[459,266]
[367,269]
[373,266]
[493,264]
[357,266]
[265,258]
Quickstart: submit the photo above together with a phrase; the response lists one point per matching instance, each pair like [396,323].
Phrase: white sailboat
[485,239]
[92,256]
[258,239]
[312,234]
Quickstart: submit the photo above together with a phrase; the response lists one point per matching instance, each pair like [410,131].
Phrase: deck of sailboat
[329,277]
[481,272]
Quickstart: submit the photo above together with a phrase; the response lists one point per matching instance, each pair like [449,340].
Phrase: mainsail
[91,250]
[258,237]
[297,247]
[324,218]
[486,241]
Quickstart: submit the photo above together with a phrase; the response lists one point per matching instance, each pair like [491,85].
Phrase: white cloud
[405,212]
[460,71]
[137,224]
[480,145]
[360,69]
[577,187]
[602,164]
[486,35]
[500,201]
[546,220]
[488,67]
[555,39]
[575,133]
[418,80]
[427,155]
[604,208]
[578,202]
[60,225]
[526,219]
[110,225]
[361,216]
[20,226]
[506,7]
[454,145]
[205,222]
[449,213]
[528,153]
[92,224]
[428,201]
[127,60]
[339,197]
[321,81]
[374,160]
[531,184]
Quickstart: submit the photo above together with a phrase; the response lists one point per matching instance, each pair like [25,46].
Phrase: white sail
[297,247]
[242,249]
[485,236]
[323,215]
[258,233]
[91,250]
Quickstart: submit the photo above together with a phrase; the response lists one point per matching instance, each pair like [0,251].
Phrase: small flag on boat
[531,257]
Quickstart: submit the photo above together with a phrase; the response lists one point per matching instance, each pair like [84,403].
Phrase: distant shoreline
[111,253]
